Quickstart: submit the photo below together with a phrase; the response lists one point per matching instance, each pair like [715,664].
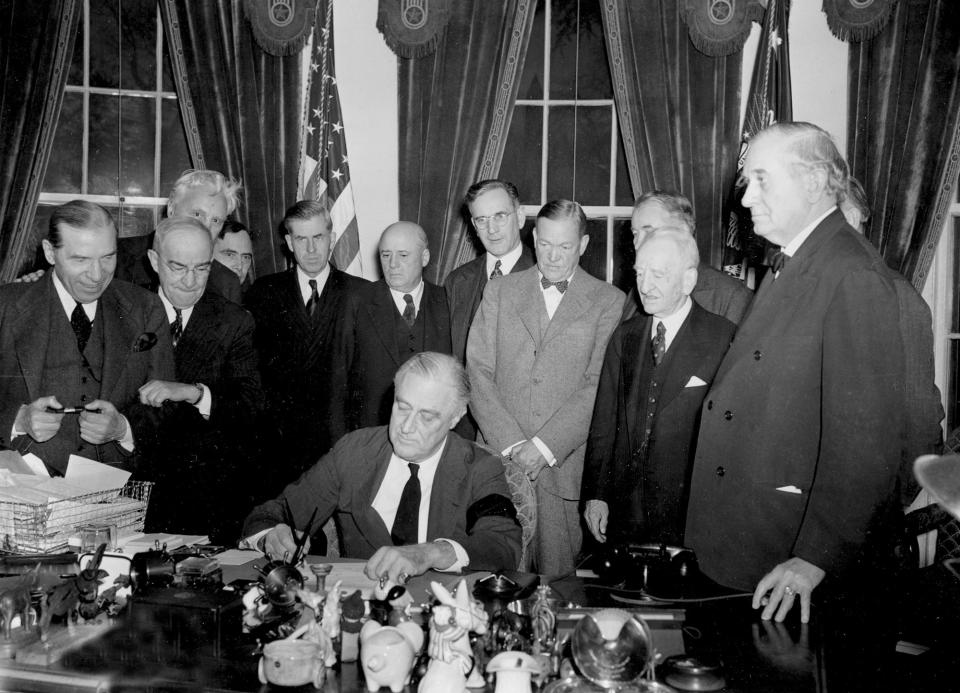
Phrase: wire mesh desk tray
[28,528]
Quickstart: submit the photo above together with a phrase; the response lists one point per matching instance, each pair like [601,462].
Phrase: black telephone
[660,570]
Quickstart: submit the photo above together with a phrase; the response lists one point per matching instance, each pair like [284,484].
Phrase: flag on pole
[324,167]
[770,100]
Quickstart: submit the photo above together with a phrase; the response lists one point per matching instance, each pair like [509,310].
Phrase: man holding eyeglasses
[75,346]
[212,404]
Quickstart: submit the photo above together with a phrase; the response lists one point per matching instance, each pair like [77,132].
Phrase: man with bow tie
[656,372]
[212,405]
[76,345]
[534,355]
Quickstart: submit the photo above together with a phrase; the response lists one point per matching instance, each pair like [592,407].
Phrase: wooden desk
[757,657]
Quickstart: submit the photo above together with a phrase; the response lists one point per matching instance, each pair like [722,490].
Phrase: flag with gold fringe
[324,166]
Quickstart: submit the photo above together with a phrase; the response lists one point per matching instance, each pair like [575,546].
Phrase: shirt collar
[507,260]
[171,311]
[672,323]
[791,248]
[417,294]
[430,462]
[69,302]
[303,280]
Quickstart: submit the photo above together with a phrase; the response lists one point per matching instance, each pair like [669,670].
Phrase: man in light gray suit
[534,356]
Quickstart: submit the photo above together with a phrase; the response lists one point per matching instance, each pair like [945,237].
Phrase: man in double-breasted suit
[655,375]
[296,312]
[80,341]
[212,406]
[410,496]
[385,324]
[534,356]
[795,481]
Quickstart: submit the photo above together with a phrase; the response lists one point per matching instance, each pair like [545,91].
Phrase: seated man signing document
[409,497]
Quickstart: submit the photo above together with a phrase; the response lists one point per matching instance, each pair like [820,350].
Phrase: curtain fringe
[403,49]
[719,49]
[277,47]
[856,33]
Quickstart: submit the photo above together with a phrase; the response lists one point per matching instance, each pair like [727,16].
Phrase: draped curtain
[904,102]
[241,107]
[678,109]
[455,109]
[36,45]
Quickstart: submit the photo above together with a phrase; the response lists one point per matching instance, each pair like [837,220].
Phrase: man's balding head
[666,268]
[181,256]
[403,254]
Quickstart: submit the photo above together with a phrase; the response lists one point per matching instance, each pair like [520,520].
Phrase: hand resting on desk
[279,543]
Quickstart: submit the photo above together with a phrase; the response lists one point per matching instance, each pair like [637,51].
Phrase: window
[564,141]
[120,141]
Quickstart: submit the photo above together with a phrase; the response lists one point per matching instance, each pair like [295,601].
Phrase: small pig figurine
[387,654]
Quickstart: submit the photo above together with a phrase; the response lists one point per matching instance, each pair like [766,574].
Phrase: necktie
[659,344]
[176,327]
[779,261]
[561,285]
[313,303]
[406,523]
[81,326]
[496,271]
[409,311]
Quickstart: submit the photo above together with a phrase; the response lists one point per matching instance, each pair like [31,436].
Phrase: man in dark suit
[385,324]
[655,375]
[534,356]
[215,400]
[76,345]
[795,481]
[716,291]
[408,497]
[207,196]
[296,312]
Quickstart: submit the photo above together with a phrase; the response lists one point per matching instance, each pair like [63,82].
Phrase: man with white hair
[655,375]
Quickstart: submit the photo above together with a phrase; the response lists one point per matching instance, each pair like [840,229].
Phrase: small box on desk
[194,621]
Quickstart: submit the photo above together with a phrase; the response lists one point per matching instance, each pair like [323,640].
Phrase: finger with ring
[402,578]
[788,590]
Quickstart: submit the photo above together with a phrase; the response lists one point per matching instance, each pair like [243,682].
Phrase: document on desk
[94,476]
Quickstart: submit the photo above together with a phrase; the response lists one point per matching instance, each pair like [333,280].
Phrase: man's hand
[528,455]
[398,563]
[596,513]
[34,419]
[107,426]
[156,392]
[781,586]
[280,545]
[30,277]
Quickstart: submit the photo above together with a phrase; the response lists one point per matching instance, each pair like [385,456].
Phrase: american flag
[770,100]
[324,167]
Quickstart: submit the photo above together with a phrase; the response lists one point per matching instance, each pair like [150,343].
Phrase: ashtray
[690,674]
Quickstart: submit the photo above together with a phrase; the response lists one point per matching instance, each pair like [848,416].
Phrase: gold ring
[788,590]
[402,578]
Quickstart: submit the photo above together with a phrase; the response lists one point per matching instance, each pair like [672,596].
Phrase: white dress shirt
[303,281]
[416,294]
[671,323]
[507,261]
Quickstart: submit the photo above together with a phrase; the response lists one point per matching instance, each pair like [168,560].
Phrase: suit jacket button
[710,404]
[728,415]
[757,355]
[721,471]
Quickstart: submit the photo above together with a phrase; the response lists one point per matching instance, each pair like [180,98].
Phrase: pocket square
[695,382]
[790,489]
[145,342]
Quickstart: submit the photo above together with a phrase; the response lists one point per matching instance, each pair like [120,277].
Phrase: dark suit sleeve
[861,393]
[598,465]
[144,420]
[346,397]
[493,543]
[238,393]
[225,282]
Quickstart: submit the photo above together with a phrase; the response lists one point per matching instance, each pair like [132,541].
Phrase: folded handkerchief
[790,489]
[694,382]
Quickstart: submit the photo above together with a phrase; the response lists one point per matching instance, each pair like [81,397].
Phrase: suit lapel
[632,360]
[531,308]
[31,339]
[368,520]
[683,361]
[381,311]
[575,301]
[118,338]
[194,346]
[444,495]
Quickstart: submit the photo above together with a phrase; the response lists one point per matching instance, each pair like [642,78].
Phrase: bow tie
[780,259]
[561,285]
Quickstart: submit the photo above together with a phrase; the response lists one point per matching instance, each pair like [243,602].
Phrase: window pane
[103,45]
[103,158]
[531,81]
[134,221]
[137,135]
[138,61]
[174,156]
[578,51]
[584,174]
[523,151]
[594,259]
[63,174]
[75,76]
[168,83]
[623,255]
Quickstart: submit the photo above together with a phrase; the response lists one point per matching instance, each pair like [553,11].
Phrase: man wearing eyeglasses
[212,404]
[75,346]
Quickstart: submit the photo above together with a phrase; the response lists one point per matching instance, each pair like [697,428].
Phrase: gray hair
[478,189]
[814,148]
[675,204]
[305,210]
[564,210]
[686,244]
[194,178]
[171,224]
[79,214]
[436,366]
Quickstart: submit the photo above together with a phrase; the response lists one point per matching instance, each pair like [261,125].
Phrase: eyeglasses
[179,271]
[498,219]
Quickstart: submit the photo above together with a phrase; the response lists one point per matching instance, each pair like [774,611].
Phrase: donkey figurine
[451,657]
